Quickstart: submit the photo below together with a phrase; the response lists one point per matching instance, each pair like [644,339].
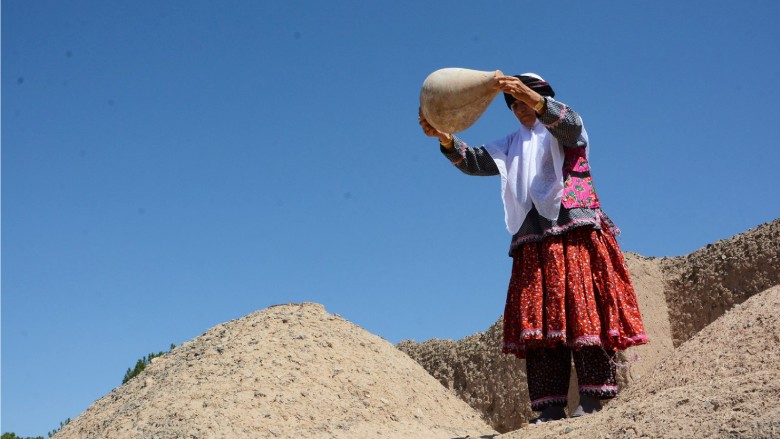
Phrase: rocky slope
[295,371]
[722,383]
[677,297]
[287,371]
[701,286]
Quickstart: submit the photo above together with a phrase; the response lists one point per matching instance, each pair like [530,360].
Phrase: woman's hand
[444,138]
[516,88]
[511,85]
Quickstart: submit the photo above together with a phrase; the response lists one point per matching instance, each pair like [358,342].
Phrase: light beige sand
[677,296]
[287,371]
[295,371]
[722,383]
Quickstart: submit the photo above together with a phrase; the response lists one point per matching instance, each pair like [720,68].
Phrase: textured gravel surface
[296,371]
[287,371]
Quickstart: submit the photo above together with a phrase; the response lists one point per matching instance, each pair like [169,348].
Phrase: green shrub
[11,435]
[141,364]
[56,430]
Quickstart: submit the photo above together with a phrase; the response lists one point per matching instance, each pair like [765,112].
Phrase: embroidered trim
[586,340]
[557,230]
[638,338]
[604,219]
[600,221]
[530,332]
[556,398]
[580,342]
[563,113]
[556,334]
[601,388]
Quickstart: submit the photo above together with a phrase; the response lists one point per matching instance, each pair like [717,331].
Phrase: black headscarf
[535,83]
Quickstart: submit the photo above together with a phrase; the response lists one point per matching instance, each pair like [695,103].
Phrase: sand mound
[287,371]
[724,382]
[297,371]
[701,286]
[495,384]
[480,374]
[677,296]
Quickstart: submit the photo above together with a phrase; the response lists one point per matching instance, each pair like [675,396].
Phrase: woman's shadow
[487,436]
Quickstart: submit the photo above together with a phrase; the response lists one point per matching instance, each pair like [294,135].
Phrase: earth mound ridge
[297,371]
[286,371]
[677,296]
[702,285]
[722,383]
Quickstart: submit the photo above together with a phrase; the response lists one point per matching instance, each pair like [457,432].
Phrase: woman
[570,294]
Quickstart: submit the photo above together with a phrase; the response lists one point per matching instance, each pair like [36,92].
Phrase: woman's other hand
[444,138]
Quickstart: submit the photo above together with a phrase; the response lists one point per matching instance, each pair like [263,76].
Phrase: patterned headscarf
[535,83]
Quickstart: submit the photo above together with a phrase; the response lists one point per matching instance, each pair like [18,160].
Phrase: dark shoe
[587,406]
[549,414]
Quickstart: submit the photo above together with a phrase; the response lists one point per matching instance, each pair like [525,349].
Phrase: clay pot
[452,99]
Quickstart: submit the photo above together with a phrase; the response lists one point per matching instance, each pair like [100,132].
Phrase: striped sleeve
[563,122]
[469,160]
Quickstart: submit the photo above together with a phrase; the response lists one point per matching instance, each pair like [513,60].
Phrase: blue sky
[169,166]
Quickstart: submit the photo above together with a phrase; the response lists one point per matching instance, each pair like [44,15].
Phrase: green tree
[141,364]
[56,430]
[12,435]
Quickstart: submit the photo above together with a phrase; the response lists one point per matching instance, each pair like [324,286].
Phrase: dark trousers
[549,369]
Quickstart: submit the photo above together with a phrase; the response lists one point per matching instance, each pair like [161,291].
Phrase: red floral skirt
[572,289]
